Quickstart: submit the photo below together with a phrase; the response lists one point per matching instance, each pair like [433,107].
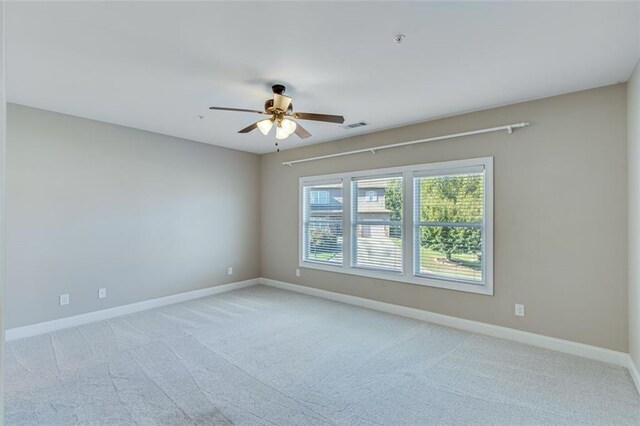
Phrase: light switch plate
[519,310]
[297,272]
[102,293]
[230,270]
[64,299]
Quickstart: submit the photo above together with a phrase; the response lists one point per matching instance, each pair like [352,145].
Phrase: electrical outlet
[64,299]
[297,272]
[230,270]
[519,310]
[102,293]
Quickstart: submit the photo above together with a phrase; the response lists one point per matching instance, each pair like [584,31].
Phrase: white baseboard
[553,343]
[635,374]
[73,321]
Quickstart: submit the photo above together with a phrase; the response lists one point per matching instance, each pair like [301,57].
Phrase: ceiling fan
[280,109]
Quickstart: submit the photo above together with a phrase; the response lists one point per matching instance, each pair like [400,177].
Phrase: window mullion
[346,222]
[407,219]
[415,228]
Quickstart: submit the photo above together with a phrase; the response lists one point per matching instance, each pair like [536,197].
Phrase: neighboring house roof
[364,207]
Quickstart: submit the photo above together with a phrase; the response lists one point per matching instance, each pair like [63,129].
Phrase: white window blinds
[322,222]
[376,223]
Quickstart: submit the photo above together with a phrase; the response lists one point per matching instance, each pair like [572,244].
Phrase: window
[323,223]
[319,197]
[449,225]
[429,224]
[376,228]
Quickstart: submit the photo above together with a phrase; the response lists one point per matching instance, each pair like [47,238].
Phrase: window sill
[484,289]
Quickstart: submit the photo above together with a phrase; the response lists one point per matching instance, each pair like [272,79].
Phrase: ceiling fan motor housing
[268,107]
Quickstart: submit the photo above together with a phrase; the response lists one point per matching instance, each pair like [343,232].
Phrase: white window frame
[409,256]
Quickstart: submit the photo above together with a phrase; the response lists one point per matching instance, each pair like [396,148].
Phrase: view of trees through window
[450,229]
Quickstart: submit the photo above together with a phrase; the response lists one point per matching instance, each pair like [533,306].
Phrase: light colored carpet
[267,356]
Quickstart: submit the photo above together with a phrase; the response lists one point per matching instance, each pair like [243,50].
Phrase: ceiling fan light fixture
[281,132]
[265,126]
[289,126]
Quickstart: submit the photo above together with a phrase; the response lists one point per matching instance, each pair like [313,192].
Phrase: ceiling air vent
[355,125]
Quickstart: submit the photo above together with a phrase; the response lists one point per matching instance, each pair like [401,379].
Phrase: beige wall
[560,215]
[93,205]
[633,123]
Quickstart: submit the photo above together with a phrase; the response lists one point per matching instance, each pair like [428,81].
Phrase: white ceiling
[157,66]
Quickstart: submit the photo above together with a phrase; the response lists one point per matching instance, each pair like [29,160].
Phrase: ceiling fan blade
[237,109]
[319,117]
[249,128]
[281,102]
[301,132]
